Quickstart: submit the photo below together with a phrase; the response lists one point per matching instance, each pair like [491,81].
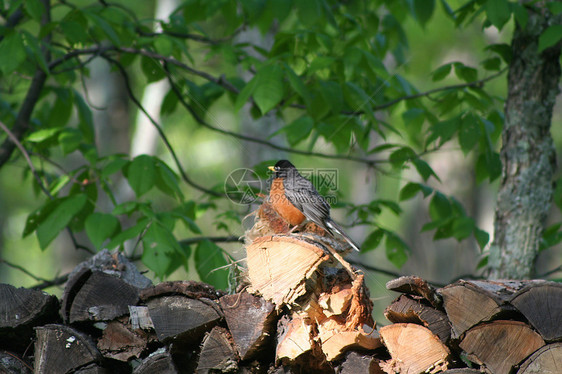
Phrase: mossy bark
[527,153]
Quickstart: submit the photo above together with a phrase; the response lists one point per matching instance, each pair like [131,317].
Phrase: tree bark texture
[527,154]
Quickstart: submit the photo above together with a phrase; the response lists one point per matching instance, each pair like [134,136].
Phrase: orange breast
[282,205]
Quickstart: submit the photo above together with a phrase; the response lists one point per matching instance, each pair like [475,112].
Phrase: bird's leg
[295,227]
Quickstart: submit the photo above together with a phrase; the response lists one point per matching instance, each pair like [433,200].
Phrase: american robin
[296,200]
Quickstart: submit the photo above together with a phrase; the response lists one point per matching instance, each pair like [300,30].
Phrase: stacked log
[474,326]
[302,308]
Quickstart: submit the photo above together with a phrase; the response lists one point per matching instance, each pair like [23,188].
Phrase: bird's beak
[272,168]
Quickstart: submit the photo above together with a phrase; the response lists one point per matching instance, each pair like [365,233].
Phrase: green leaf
[159,246]
[298,130]
[401,156]
[481,237]
[245,93]
[550,37]
[36,52]
[34,8]
[504,50]
[462,227]
[69,140]
[424,169]
[141,174]
[130,233]
[493,165]
[152,69]
[409,191]
[297,84]
[439,207]
[269,89]
[372,241]
[209,257]
[113,167]
[100,226]
[59,218]
[104,26]
[441,72]
[310,11]
[555,7]
[86,124]
[469,133]
[42,135]
[498,12]
[423,10]
[396,250]
[465,73]
[12,52]
[520,13]
[38,216]
[493,63]
[167,180]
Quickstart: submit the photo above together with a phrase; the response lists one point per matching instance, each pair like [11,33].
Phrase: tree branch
[181,170]
[21,124]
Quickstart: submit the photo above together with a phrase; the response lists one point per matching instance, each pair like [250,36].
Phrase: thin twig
[22,269]
[158,128]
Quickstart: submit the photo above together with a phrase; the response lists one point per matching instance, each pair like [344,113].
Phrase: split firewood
[182,311]
[294,339]
[356,363]
[547,360]
[63,349]
[159,362]
[414,285]
[541,304]
[462,371]
[181,318]
[251,321]
[217,353]
[121,341]
[414,349]
[22,309]
[414,309]
[500,345]
[468,303]
[280,266]
[11,363]
[86,297]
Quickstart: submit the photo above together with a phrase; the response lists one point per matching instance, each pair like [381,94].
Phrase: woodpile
[301,308]
[495,327]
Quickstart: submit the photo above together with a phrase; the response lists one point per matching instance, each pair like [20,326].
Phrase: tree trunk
[527,153]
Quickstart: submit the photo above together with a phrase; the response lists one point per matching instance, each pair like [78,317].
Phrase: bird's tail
[332,226]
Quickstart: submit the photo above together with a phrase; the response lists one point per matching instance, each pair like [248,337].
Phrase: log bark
[407,309]
[527,153]
[547,360]
[158,362]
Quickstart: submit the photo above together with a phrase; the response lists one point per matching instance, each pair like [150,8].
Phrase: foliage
[330,74]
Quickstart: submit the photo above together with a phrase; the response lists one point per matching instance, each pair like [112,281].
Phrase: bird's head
[282,168]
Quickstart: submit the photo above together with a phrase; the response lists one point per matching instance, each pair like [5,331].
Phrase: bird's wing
[313,205]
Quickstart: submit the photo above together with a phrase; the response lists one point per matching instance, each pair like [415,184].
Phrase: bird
[296,200]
